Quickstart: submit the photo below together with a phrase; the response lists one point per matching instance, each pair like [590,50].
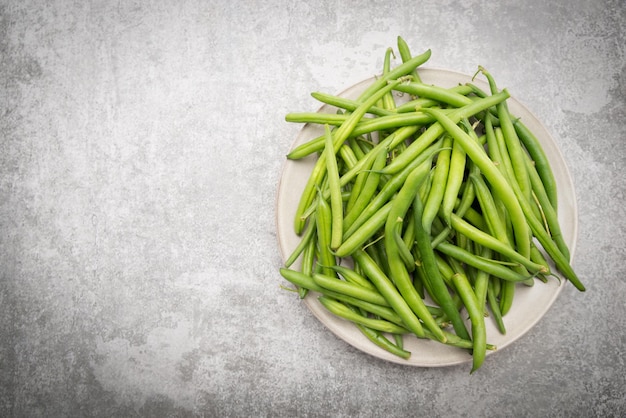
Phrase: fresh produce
[420,214]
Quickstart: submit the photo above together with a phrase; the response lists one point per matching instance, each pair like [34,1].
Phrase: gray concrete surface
[141,145]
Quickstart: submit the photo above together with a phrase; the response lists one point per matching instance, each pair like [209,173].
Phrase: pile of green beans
[417,215]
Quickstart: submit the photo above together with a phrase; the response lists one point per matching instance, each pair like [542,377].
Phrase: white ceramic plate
[530,303]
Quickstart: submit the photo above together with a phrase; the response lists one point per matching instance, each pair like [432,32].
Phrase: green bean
[403,250]
[336,202]
[506,296]
[349,105]
[433,278]
[307,236]
[416,104]
[454,340]
[481,281]
[316,118]
[367,309]
[401,70]
[549,245]
[408,235]
[308,254]
[390,292]
[387,100]
[477,319]
[496,226]
[440,94]
[347,288]
[342,311]
[348,157]
[364,299]
[493,268]
[323,221]
[495,306]
[438,186]
[537,257]
[353,277]
[454,181]
[464,205]
[405,54]
[399,339]
[383,342]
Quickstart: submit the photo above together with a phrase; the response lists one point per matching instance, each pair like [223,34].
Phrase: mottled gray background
[141,146]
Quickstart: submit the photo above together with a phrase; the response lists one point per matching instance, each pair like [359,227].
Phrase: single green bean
[454,181]
[405,55]
[416,104]
[389,291]
[493,268]
[336,202]
[403,250]
[401,70]
[349,105]
[494,305]
[343,311]
[347,156]
[481,281]
[440,94]
[438,186]
[308,256]
[323,221]
[387,100]
[383,342]
[316,118]
[307,236]
[353,277]
[347,288]
[477,319]
[507,292]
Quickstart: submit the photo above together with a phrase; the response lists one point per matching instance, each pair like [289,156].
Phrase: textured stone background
[141,145]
